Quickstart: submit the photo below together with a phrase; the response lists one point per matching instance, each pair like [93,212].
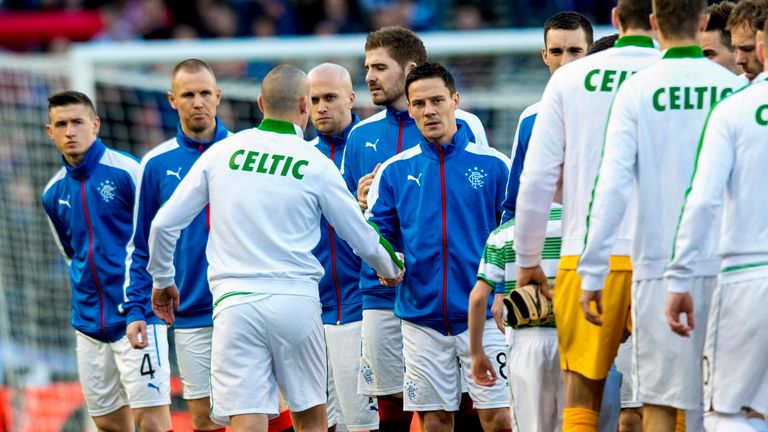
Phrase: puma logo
[176,174]
[65,202]
[372,145]
[150,385]
[417,180]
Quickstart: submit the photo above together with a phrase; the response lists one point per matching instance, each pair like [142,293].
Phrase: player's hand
[587,297]
[137,334]
[483,371]
[678,304]
[497,310]
[535,276]
[363,186]
[165,302]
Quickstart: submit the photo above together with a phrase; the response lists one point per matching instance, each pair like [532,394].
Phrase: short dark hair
[718,21]
[430,70]
[603,43]
[678,18]
[751,13]
[569,21]
[634,14]
[192,65]
[403,45]
[70,97]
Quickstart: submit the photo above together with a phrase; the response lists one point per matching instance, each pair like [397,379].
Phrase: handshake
[393,282]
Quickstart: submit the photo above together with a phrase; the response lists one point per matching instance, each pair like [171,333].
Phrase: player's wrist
[528,261]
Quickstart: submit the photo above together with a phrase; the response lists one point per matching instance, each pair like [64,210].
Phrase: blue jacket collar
[201,146]
[458,143]
[90,161]
[338,140]
[397,117]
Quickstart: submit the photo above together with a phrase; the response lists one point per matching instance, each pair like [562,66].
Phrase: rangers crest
[107,190]
[476,177]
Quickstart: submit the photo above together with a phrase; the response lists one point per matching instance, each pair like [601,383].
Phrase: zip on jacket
[373,141]
[162,169]
[89,208]
[440,203]
[340,285]
[256,246]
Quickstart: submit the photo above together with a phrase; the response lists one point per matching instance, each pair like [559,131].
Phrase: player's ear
[352,98]
[761,47]
[654,24]
[544,56]
[304,104]
[456,99]
[172,100]
[260,102]
[49,131]
[615,18]
[703,21]
[218,96]
[409,67]
[96,125]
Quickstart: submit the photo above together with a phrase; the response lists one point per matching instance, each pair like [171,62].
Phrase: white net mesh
[38,388]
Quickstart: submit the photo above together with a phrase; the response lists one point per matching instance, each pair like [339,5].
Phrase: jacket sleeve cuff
[678,285]
[135,313]
[162,282]
[528,260]
[592,282]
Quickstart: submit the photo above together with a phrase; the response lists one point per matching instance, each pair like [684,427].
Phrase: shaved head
[283,90]
[332,98]
[331,72]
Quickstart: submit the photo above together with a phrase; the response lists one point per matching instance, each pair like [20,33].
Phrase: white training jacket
[732,173]
[568,135]
[266,189]
[650,143]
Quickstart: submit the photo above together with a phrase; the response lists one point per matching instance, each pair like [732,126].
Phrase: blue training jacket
[340,285]
[440,204]
[90,210]
[162,169]
[519,150]
[373,141]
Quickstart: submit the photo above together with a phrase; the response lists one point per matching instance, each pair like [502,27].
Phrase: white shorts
[381,363]
[345,405]
[667,366]
[434,365]
[624,367]
[271,341]
[193,355]
[535,380]
[736,351]
[114,374]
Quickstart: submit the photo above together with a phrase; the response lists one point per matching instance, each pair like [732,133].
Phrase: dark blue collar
[201,146]
[398,117]
[89,162]
[458,142]
[339,140]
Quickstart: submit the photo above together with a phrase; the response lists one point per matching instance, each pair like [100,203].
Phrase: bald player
[263,277]
[332,98]
[195,96]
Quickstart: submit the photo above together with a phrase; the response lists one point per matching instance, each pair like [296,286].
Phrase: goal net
[498,74]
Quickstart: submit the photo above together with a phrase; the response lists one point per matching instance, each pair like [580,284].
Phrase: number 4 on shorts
[146,367]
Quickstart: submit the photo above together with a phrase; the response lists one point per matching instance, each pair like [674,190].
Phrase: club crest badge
[476,177]
[107,190]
